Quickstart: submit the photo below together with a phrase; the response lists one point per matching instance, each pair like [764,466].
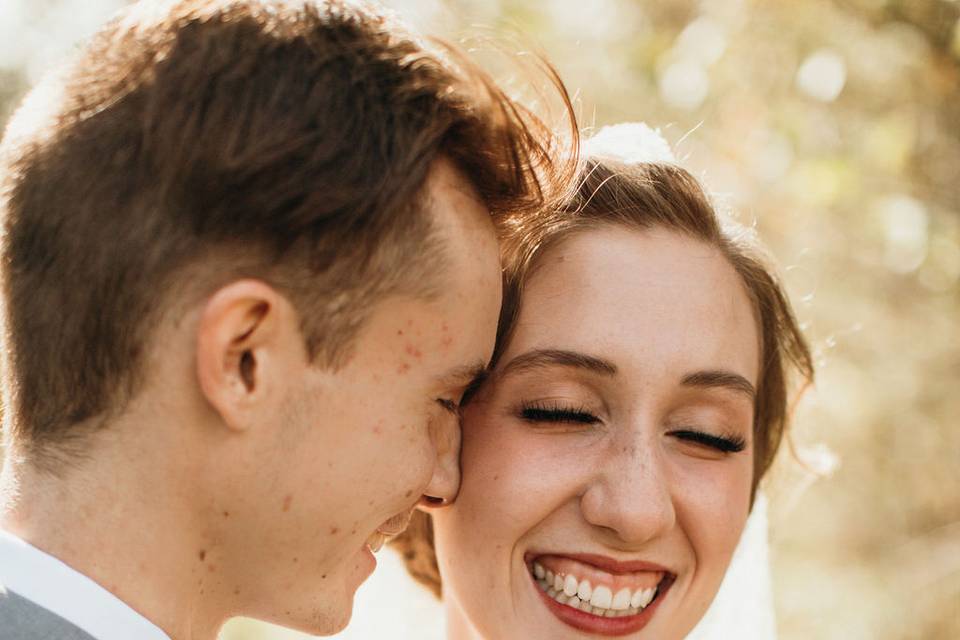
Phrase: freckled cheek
[507,481]
[713,518]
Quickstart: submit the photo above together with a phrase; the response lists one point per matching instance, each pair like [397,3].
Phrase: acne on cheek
[412,351]
[446,340]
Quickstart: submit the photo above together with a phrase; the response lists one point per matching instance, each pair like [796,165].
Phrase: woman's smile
[599,594]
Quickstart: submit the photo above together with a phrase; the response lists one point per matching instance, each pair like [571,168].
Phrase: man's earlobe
[240,335]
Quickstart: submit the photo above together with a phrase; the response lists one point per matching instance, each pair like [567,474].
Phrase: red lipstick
[600,624]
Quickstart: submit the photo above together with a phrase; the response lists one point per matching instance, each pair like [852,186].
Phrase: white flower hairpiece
[630,143]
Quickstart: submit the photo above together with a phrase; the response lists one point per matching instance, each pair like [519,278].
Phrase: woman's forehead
[639,298]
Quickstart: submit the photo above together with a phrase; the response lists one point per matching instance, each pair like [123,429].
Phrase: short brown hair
[235,138]
[645,196]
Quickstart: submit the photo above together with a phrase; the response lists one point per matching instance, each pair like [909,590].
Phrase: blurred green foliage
[834,126]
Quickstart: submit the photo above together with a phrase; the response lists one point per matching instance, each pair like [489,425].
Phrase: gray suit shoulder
[22,619]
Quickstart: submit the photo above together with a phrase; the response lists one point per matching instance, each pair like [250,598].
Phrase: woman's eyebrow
[538,358]
[720,379]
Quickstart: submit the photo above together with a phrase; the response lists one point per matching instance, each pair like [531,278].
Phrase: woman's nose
[630,495]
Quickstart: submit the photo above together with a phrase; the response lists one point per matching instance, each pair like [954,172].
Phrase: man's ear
[248,336]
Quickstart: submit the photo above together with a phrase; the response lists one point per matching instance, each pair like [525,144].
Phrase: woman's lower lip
[590,623]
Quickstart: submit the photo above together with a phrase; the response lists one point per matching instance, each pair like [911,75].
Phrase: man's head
[266,223]
[315,466]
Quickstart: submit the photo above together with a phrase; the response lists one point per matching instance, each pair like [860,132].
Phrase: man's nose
[630,495]
[445,482]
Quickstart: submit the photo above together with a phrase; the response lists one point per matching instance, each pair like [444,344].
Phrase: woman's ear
[248,337]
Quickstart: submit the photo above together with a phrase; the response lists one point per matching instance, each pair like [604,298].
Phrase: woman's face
[607,463]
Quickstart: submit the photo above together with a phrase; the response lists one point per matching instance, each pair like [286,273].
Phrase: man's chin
[318,619]
[334,624]
[325,605]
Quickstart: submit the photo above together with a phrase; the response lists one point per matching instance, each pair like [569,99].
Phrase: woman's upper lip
[605,563]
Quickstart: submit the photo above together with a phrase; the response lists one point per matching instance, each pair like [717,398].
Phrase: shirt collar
[53,585]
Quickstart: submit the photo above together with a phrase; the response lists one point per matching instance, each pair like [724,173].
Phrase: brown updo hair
[645,196]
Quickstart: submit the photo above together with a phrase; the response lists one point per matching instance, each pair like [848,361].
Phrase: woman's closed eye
[540,412]
[571,415]
[723,444]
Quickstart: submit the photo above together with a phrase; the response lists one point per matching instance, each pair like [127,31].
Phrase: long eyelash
[537,412]
[726,444]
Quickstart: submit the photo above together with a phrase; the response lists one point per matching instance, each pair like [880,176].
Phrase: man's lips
[395,525]
[392,527]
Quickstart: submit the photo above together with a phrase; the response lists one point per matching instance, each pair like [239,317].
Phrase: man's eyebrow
[539,358]
[720,379]
[464,375]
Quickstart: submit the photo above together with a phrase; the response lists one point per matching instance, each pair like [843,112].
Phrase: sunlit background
[834,126]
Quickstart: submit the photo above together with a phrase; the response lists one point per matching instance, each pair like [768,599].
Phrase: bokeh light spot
[703,40]
[684,84]
[905,228]
[822,75]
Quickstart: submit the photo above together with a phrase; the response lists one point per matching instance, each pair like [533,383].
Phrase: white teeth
[602,597]
[598,601]
[584,591]
[621,601]
[643,597]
